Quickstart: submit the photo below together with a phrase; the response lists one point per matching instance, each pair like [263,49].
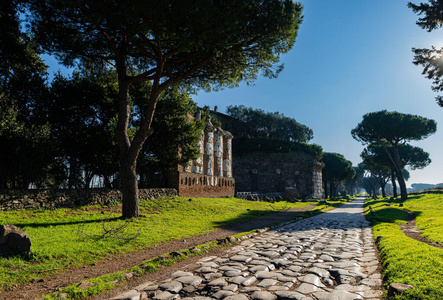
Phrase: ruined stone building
[293,174]
[211,174]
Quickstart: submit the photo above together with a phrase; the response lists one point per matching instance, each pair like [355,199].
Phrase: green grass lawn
[406,260]
[66,238]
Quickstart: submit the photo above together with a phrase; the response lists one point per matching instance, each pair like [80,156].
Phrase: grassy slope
[406,260]
[71,237]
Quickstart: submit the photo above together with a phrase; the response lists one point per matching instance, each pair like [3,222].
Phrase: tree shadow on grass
[48,224]
[390,213]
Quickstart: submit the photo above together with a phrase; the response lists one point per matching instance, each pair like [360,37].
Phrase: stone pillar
[227,156]
[218,152]
[198,167]
[209,153]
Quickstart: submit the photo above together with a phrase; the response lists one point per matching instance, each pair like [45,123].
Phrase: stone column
[198,168]
[227,156]
[218,151]
[209,153]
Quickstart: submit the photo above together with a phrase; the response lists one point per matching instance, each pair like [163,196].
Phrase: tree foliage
[257,123]
[430,59]
[393,129]
[337,169]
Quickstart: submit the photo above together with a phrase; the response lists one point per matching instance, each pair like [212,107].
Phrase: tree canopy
[430,58]
[257,123]
[393,129]
[196,43]
[337,169]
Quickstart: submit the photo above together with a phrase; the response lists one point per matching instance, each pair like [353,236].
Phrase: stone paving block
[295,268]
[231,287]
[258,268]
[249,281]
[223,294]
[313,279]
[190,280]
[278,288]
[130,295]
[343,295]
[220,282]
[286,279]
[326,257]
[372,282]
[321,295]
[237,297]
[284,295]
[307,288]
[344,265]
[235,273]
[210,264]
[173,286]
[228,268]
[166,296]
[241,258]
[319,272]
[267,282]
[264,275]
[263,295]
[205,270]
[250,289]
[236,280]
[210,276]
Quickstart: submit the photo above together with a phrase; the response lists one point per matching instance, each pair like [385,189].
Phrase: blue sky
[351,57]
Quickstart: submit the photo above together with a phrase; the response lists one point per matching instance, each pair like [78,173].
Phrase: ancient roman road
[329,256]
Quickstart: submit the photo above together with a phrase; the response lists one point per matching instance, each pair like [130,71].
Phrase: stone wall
[297,174]
[35,199]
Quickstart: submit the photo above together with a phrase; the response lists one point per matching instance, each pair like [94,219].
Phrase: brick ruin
[211,174]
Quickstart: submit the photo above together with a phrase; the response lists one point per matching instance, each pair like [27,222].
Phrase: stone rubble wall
[297,174]
[36,199]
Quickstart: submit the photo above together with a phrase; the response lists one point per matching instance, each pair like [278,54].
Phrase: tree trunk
[401,180]
[394,185]
[383,191]
[331,190]
[129,187]
[129,150]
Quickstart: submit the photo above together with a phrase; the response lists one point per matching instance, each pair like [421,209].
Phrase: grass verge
[406,260]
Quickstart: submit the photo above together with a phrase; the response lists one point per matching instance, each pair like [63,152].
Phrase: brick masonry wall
[35,199]
[298,173]
[198,185]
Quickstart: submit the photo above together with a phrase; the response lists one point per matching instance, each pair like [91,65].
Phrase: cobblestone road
[330,256]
